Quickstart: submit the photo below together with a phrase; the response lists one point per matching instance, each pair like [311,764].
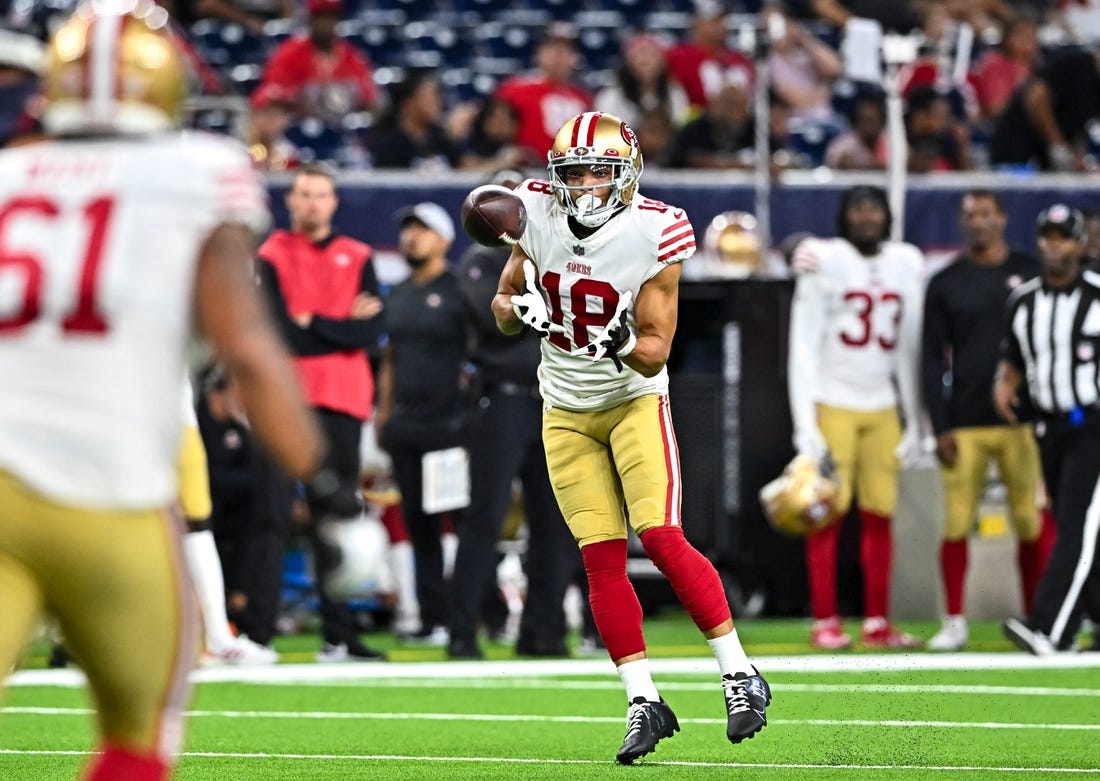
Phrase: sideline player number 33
[590,286]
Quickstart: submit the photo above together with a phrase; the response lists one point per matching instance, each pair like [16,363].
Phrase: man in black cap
[1051,351]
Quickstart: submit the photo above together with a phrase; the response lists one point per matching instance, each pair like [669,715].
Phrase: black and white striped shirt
[1053,338]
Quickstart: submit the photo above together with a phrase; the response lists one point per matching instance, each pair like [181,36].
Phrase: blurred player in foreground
[597,273]
[118,237]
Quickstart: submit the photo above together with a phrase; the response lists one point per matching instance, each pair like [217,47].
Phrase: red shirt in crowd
[542,107]
[702,71]
[322,82]
[996,78]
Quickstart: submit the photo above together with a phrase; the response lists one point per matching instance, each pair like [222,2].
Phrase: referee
[1052,343]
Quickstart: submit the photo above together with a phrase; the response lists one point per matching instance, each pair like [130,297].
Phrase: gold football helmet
[800,500]
[731,239]
[113,67]
[595,139]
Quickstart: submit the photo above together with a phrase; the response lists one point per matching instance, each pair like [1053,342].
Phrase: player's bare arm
[1006,386]
[510,284]
[231,314]
[383,407]
[655,314]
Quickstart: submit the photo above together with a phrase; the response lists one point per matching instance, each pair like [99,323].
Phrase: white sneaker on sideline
[1027,639]
[242,652]
[953,635]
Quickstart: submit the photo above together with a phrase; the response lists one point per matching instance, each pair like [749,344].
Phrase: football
[494,216]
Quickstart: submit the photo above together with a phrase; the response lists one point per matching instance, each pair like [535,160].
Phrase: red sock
[953,561]
[394,521]
[876,551]
[691,575]
[120,764]
[615,607]
[821,569]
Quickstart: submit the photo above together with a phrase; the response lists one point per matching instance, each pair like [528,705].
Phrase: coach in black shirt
[419,403]
[505,443]
[1052,343]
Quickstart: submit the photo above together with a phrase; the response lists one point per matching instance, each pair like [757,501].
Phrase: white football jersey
[99,241]
[583,279]
[855,324]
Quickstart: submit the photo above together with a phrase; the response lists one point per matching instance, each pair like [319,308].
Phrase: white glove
[358,545]
[807,256]
[811,443]
[530,307]
[910,451]
[616,338]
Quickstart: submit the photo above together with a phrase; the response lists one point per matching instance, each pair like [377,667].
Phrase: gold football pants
[862,445]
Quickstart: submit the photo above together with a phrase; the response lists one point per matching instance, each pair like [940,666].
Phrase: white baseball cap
[432,216]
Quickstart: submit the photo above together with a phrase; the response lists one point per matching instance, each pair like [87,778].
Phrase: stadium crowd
[417,85]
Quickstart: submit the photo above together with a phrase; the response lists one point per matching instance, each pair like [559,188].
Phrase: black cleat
[646,723]
[746,698]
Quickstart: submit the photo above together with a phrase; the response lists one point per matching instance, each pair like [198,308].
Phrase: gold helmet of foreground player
[800,500]
[113,67]
[595,139]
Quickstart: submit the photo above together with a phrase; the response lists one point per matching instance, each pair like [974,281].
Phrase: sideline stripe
[608,763]
[311,673]
[525,717]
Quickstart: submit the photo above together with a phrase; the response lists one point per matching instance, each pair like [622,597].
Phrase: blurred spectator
[642,85]
[655,132]
[863,147]
[21,58]
[895,15]
[937,142]
[1045,123]
[1081,18]
[722,137]
[250,14]
[704,64]
[545,100]
[266,136]
[491,141]
[419,403]
[411,136]
[802,69]
[1000,71]
[327,77]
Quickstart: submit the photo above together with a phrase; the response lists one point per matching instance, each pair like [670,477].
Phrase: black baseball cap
[1064,219]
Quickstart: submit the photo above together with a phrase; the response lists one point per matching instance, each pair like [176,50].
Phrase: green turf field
[988,714]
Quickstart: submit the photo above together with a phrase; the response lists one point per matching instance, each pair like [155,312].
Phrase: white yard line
[312,673]
[529,717]
[544,761]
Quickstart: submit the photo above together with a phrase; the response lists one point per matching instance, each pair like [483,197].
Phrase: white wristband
[628,346]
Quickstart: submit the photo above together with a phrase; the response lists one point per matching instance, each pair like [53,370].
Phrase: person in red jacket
[324,297]
[326,75]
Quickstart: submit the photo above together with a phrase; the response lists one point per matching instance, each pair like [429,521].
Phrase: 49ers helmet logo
[628,135]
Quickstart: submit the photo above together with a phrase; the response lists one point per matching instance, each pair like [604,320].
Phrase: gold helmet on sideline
[731,239]
[800,500]
[113,68]
[595,138]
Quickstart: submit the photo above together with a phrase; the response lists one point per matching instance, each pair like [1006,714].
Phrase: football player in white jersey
[117,238]
[855,330]
[597,273]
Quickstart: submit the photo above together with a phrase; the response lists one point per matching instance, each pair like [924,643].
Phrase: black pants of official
[407,438]
[505,442]
[1071,468]
[343,433]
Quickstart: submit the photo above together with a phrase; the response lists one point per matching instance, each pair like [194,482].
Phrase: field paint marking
[541,761]
[524,668]
[525,717]
[834,688]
